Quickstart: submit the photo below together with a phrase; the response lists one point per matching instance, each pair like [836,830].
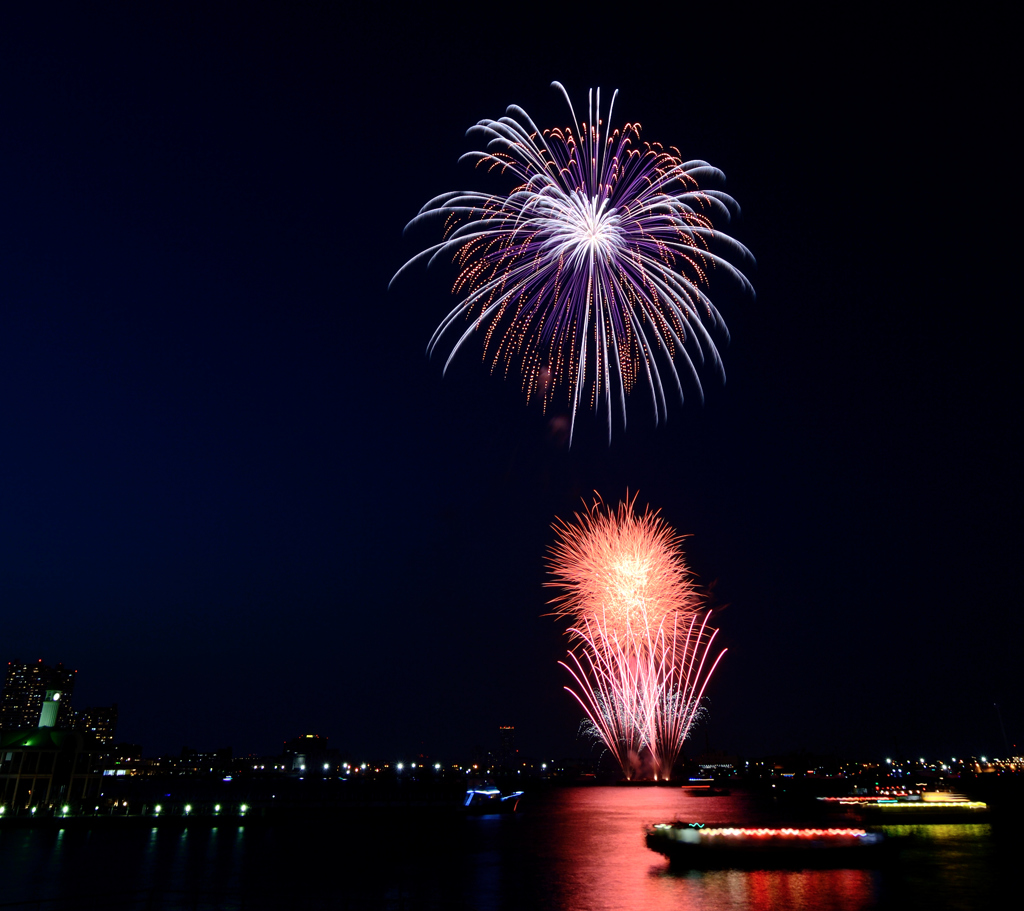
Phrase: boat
[895,808]
[699,846]
[705,787]
[487,800]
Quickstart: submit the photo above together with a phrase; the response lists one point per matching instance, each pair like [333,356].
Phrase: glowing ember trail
[591,272]
[640,640]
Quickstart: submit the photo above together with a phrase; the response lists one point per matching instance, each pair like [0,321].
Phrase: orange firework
[639,632]
[621,573]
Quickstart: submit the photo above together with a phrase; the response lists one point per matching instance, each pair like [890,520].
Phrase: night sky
[237,496]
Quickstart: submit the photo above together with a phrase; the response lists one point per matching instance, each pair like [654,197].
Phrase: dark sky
[239,499]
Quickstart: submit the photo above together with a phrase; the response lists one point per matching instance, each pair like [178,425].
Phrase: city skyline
[22,713]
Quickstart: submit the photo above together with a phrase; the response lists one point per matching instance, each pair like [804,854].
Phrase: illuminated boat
[487,800]
[913,806]
[705,787]
[698,846]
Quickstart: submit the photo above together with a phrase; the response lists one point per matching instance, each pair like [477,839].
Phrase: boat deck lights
[743,832]
[785,833]
[935,805]
[490,793]
[912,802]
[858,801]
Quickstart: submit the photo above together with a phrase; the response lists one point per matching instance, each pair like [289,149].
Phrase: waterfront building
[45,767]
[716,763]
[36,696]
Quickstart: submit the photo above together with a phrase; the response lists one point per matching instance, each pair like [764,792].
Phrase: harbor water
[568,848]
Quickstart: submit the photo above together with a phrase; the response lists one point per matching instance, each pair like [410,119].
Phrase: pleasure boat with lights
[488,799]
[701,846]
[705,787]
[906,806]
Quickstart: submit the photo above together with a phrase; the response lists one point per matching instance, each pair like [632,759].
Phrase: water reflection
[599,835]
[579,849]
[841,890]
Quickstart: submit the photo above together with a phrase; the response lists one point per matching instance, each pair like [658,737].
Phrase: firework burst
[590,274]
[640,638]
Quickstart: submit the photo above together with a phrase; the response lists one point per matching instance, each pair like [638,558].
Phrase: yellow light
[937,805]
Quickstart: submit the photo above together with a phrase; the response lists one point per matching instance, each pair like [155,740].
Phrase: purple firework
[591,272]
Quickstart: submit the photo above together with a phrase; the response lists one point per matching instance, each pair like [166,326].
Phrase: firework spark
[590,273]
[641,644]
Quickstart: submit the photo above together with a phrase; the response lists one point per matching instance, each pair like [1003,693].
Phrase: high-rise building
[36,696]
[507,753]
[98,722]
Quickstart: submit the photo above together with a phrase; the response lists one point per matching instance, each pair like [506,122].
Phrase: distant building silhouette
[125,752]
[306,753]
[507,753]
[36,696]
[98,722]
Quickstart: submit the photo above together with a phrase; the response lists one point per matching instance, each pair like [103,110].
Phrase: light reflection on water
[573,849]
[600,834]
[843,890]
